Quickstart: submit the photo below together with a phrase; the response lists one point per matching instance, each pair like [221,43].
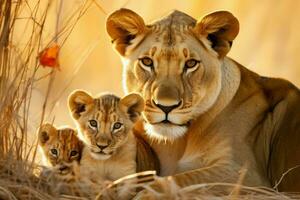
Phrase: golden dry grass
[19,75]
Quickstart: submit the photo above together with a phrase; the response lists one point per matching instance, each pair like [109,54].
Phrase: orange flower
[49,57]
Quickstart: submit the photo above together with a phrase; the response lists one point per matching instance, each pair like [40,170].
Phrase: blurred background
[268,43]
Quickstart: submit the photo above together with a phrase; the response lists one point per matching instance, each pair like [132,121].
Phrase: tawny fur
[61,150]
[119,157]
[227,118]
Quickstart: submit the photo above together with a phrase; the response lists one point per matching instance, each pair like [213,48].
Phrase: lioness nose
[166,97]
[167,109]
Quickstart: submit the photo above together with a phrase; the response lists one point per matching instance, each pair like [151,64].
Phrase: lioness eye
[93,124]
[117,126]
[54,152]
[191,63]
[73,153]
[147,61]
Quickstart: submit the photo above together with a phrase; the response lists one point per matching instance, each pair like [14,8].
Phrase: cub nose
[167,109]
[63,168]
[102,147]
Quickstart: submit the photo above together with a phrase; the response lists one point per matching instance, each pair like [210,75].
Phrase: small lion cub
[105,125]
[61,150]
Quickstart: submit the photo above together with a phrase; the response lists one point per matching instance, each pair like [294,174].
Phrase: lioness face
[174,63]
[177,81]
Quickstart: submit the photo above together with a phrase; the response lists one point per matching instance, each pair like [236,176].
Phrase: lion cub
[62,151]
[105,125]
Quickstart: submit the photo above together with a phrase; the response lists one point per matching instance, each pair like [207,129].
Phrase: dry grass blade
[18,70]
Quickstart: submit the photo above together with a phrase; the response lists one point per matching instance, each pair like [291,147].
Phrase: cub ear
[133,105]
[45,132]
[220,28]
[122,26]
[80,103]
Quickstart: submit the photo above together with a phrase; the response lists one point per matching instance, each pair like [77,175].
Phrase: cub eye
[146,61]
[54,152]
[117,126]
[191,63]
[93,124]
[73,153]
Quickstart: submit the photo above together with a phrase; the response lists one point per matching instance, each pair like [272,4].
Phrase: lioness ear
[220,28]
[122,26]
[45,132]
[133,105]
[80,103]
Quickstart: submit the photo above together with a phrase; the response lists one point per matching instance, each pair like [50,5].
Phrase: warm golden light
[268,43]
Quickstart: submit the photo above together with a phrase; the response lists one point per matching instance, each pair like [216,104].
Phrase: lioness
[206,116]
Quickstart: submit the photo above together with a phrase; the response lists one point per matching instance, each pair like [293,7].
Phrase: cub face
[62,149]
[105,122]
